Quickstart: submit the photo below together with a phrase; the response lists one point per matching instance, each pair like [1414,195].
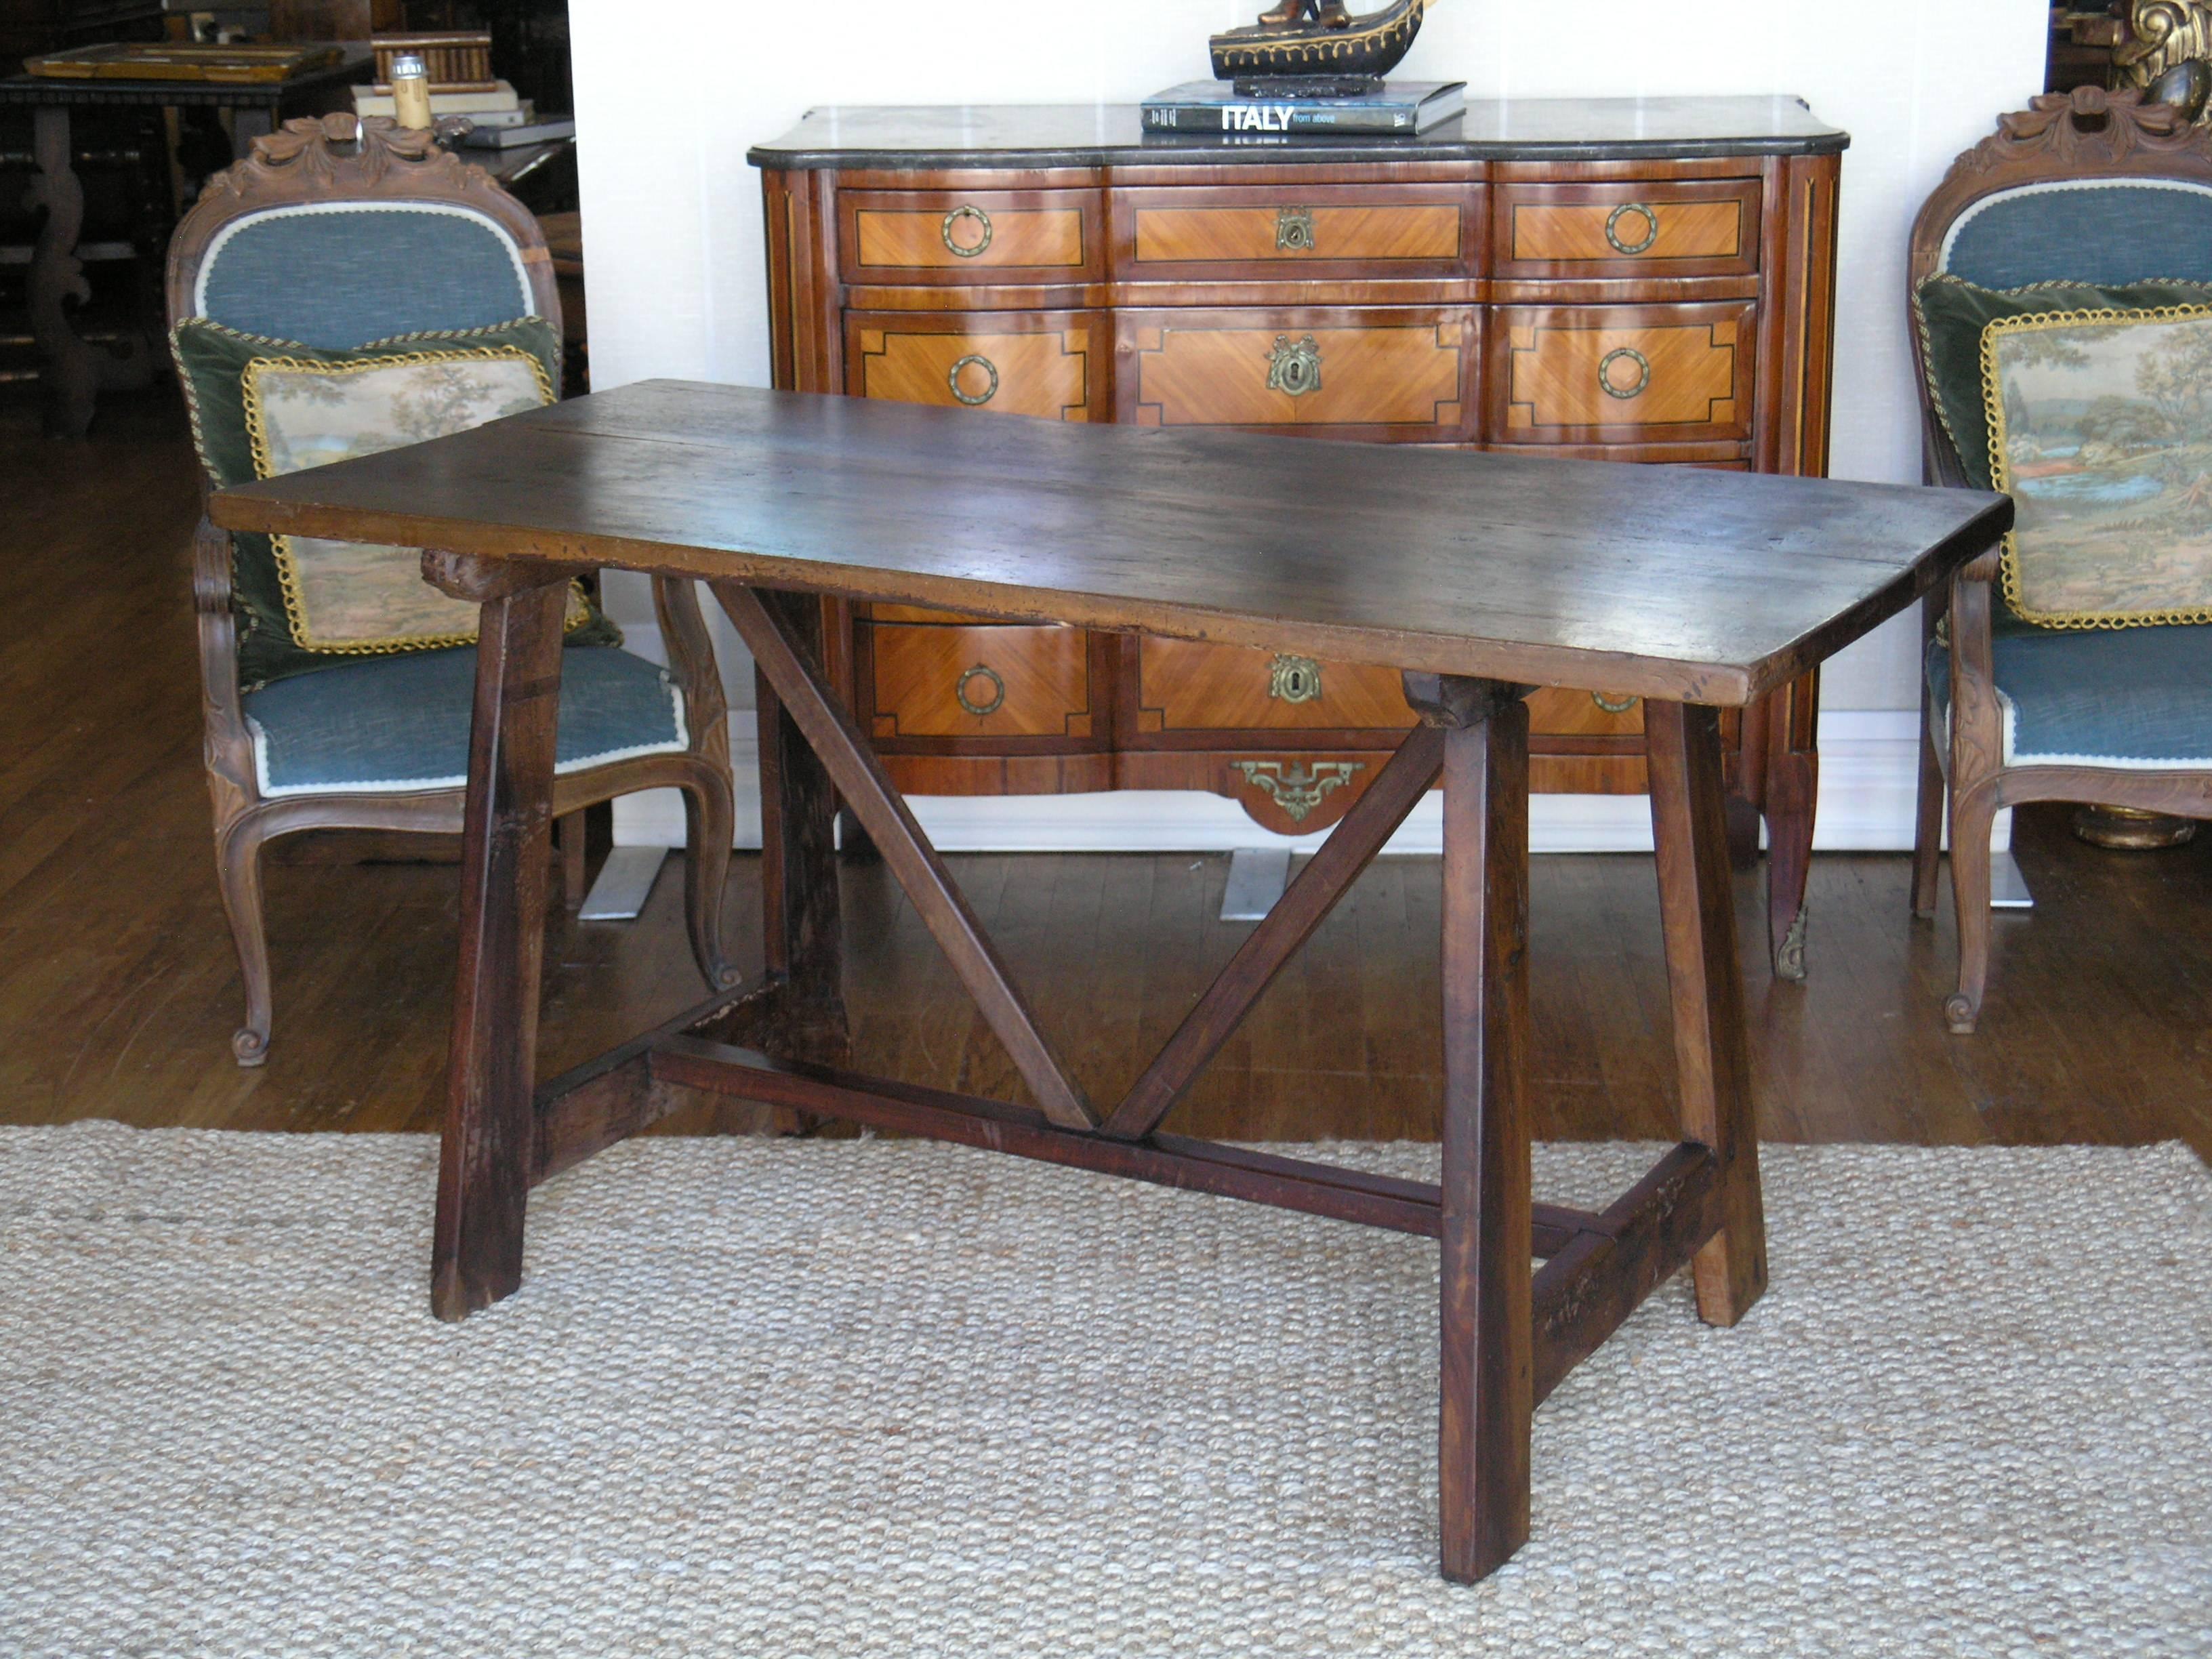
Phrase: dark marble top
[1104,135]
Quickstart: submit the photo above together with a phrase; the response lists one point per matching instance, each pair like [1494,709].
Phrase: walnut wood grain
[1702,587]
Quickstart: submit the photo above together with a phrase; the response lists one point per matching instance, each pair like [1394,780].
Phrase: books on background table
[1213,109]
[497,106]
[551,129]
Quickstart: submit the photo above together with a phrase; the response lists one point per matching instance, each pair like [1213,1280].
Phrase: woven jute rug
[771,1398]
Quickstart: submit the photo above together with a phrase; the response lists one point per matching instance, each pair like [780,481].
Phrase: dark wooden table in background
[74,371]
[1478,577]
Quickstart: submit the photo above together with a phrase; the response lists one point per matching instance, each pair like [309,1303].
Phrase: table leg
[484,1168]
[248,123]
[798,1013]
[1793,780]
[1712,1050]
[1486,1369]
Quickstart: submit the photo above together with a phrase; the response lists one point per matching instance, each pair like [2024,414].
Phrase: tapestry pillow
[261,407]
[2092,407]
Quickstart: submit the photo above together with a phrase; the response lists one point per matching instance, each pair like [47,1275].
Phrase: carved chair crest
[2088,132]
[337,157]
[341,155]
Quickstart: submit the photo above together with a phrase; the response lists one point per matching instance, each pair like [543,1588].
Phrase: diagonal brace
[1304,905]
[872,798]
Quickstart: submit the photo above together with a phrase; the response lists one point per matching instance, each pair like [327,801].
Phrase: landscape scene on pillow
[2104,440]
[359,596]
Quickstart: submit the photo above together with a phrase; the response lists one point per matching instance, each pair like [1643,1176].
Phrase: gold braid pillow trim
[2001,464]
[288,574]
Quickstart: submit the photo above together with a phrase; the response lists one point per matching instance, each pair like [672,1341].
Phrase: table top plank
[1658,581]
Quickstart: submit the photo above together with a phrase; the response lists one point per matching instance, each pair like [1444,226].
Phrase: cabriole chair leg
[1972,816]
[707,820]
[238,870]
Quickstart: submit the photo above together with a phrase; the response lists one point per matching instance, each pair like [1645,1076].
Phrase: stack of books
[1221,111]
[461,83]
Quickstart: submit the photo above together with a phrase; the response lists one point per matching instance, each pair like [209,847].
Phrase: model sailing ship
[1307,67]
[1316,48]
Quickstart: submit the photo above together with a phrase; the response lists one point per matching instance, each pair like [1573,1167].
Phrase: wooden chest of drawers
[1619,280]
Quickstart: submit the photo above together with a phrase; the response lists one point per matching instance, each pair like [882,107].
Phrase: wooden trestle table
[1480,576]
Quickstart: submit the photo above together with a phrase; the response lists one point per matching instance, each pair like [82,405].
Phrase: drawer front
[1554,712]
[1004,682]
[981,236]
[1612,374]
[1036,363]
[1724,456]
[1315,230]
[1656,227]
[1185,686]
[1397,373]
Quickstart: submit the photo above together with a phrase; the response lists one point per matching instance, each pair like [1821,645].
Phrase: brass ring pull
[983,223]
[1605,372]
[1651,228]
[1614,705]
[998,690]
[953,380]
[1294,230]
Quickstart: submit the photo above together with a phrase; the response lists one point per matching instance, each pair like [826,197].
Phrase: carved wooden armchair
[334,236]
[2088,188]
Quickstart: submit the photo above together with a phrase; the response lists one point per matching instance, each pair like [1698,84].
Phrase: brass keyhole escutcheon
[974,399]
[1612,387]
[1294,230]
[995,694]
[1614,705]
[1294,679]
[1295,369]
[983,221]
[1612,228]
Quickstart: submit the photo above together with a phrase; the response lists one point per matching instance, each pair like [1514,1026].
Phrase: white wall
[669,96]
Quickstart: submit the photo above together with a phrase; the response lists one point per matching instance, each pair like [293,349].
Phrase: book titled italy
[1213,108]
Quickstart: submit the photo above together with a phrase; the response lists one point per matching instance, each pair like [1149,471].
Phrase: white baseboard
[1870,765]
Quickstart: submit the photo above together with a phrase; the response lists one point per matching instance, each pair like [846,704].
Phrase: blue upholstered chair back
[2105,231]
[340,273]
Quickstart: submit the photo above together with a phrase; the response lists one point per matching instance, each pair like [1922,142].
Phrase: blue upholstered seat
[380,724]
[2136,698]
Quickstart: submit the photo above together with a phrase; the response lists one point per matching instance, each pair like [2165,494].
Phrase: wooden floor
[119,992]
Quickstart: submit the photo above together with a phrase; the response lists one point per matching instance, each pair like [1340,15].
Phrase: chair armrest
[1976,723]
[691,660]
[226,745]
[1939,462]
